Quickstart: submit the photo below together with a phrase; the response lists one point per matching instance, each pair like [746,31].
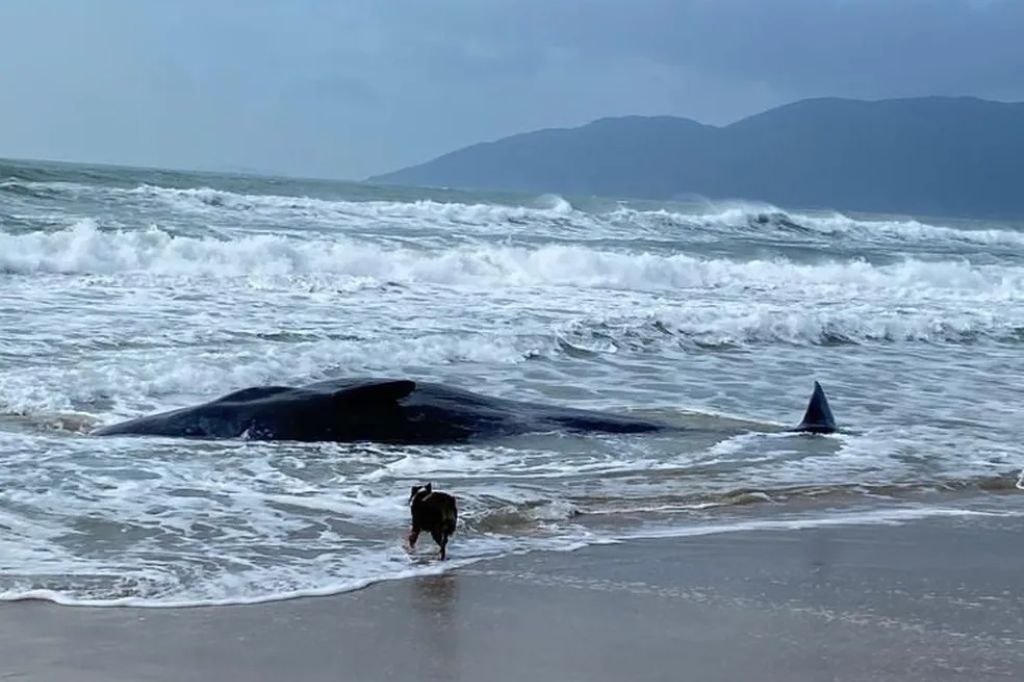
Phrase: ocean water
[124,292]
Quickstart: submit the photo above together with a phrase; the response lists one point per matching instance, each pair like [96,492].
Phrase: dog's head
[419,492]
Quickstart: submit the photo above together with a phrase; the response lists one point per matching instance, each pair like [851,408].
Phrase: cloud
[323,87]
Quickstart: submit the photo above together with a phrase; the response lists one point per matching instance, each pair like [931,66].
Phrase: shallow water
[123,292]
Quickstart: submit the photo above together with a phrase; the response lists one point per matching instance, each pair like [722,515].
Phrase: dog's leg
[441,539]
[414,534]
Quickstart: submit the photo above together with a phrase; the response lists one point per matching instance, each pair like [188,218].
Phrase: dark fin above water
[377,391]
[818,417]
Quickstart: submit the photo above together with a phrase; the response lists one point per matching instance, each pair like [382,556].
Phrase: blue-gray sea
[126,291]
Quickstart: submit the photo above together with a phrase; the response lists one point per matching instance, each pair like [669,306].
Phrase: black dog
[433,512]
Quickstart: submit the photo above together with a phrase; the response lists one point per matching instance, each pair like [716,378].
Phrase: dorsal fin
[383,391]
[818,417]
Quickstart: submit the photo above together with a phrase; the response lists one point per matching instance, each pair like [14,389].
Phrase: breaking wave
[86,249]
[772,222]
[710,329]
[550,213]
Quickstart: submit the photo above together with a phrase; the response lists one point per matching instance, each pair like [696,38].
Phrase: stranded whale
[393,411]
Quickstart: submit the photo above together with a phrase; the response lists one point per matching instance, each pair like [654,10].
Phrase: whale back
[331,410]
[383,392]
[250,394]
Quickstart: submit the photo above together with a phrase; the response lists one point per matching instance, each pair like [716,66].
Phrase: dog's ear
[415,489]
[429,488]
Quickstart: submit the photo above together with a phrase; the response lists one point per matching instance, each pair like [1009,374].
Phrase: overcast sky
[349,88]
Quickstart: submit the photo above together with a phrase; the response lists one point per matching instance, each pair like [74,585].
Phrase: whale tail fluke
[818,417]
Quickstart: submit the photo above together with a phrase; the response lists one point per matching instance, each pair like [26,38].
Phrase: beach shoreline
[928,599]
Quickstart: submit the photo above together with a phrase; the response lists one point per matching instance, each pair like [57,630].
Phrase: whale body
[393,411]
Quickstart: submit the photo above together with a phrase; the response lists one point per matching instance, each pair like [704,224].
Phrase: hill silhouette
[937,155]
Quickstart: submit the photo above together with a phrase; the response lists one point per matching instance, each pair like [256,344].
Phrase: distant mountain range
[953,156]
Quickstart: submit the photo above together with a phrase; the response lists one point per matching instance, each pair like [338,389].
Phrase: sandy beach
[931,600]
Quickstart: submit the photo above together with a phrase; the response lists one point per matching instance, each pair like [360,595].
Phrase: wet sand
[929,600]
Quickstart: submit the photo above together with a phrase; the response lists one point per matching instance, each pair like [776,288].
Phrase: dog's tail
[450,518]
